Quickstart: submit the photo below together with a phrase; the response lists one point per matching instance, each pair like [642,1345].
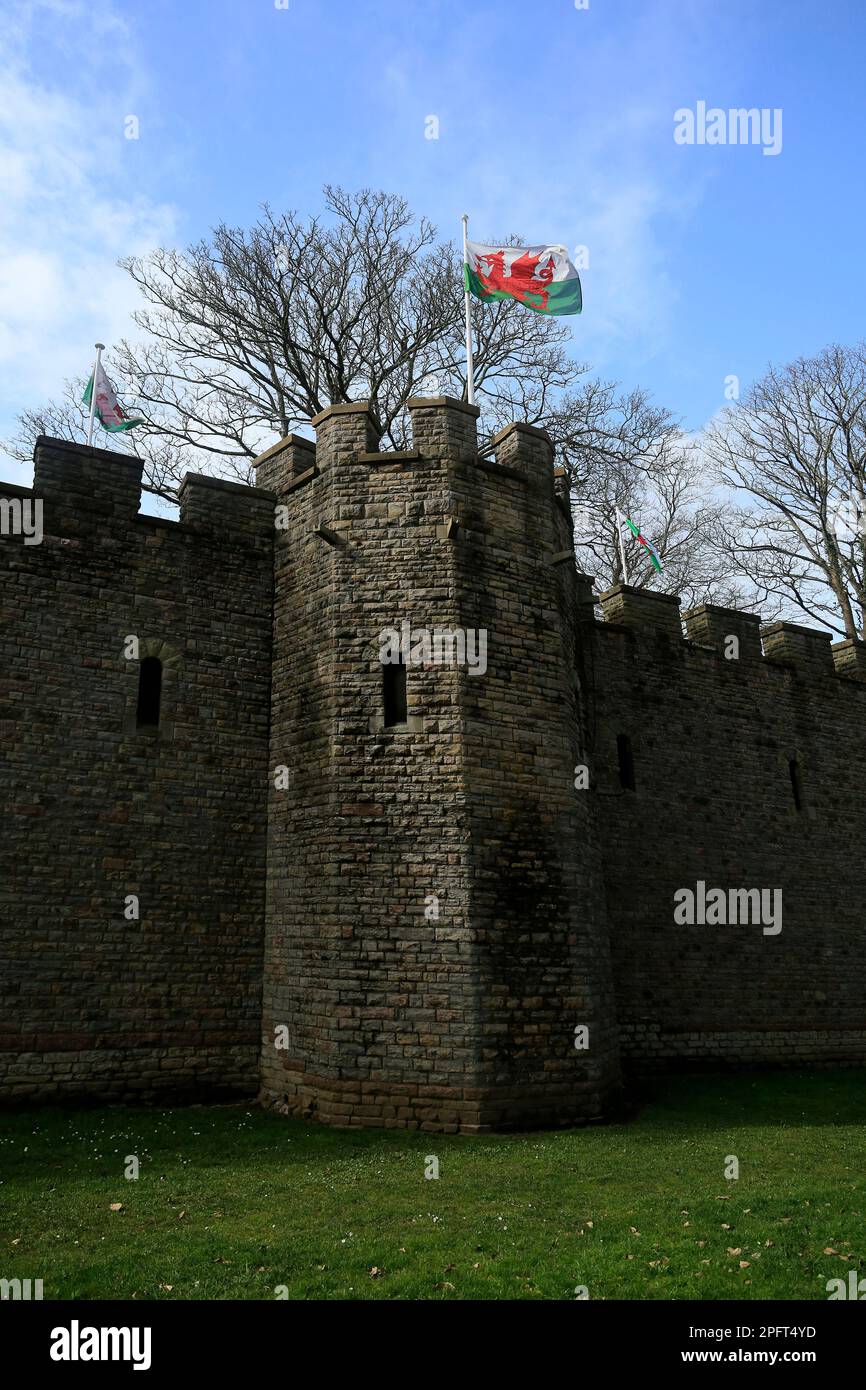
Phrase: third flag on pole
[648,546]
[109,411]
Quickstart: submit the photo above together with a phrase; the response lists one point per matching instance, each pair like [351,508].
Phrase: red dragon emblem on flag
[526,282]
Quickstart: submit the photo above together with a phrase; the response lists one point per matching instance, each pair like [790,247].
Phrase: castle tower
[436,946]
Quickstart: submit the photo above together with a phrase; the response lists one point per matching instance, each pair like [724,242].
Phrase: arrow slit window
[394,693]
[626,762]
[149,693]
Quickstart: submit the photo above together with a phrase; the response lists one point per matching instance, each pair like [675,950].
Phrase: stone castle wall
[95,810]
[404,924]
[713,739]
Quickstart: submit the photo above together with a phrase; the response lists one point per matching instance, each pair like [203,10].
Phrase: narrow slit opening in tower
[626,762]
[149,693]
[796,788]
[394,693]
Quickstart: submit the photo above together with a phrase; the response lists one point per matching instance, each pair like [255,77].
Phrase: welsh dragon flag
[647,545]
[541,277]
[109,411]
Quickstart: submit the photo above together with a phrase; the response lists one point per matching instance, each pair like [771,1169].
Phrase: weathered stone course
[402,925]
[95,810]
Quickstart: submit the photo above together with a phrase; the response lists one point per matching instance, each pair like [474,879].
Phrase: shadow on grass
[709,1101]
[241,1132]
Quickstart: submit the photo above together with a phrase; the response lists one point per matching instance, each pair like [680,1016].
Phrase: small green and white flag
[103,402]
[647,545]
[640,538]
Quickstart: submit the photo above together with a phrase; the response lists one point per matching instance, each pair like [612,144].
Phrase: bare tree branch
[795,447]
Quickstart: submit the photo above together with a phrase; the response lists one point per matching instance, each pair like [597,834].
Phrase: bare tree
[249,334]
[622,452]
[796,447]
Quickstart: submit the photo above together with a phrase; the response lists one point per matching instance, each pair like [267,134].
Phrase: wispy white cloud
[563,155]
[69,204]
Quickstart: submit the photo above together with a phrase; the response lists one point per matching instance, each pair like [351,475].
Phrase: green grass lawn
[232,1202]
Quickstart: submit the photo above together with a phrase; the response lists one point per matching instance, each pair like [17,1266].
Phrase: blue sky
[554,122]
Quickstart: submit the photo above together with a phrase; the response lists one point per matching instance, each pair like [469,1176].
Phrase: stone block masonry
[433,916]
[386,902]
[747,773]
[96,810]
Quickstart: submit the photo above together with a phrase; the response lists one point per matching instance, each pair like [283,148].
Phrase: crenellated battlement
[85,488]
[734,634]
[88,490]
[427,874]
[443,430]
[231,509]
[288,463]
[730,756]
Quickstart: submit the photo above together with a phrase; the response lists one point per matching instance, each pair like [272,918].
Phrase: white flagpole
[470,373]
[621,546]
[99,347]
